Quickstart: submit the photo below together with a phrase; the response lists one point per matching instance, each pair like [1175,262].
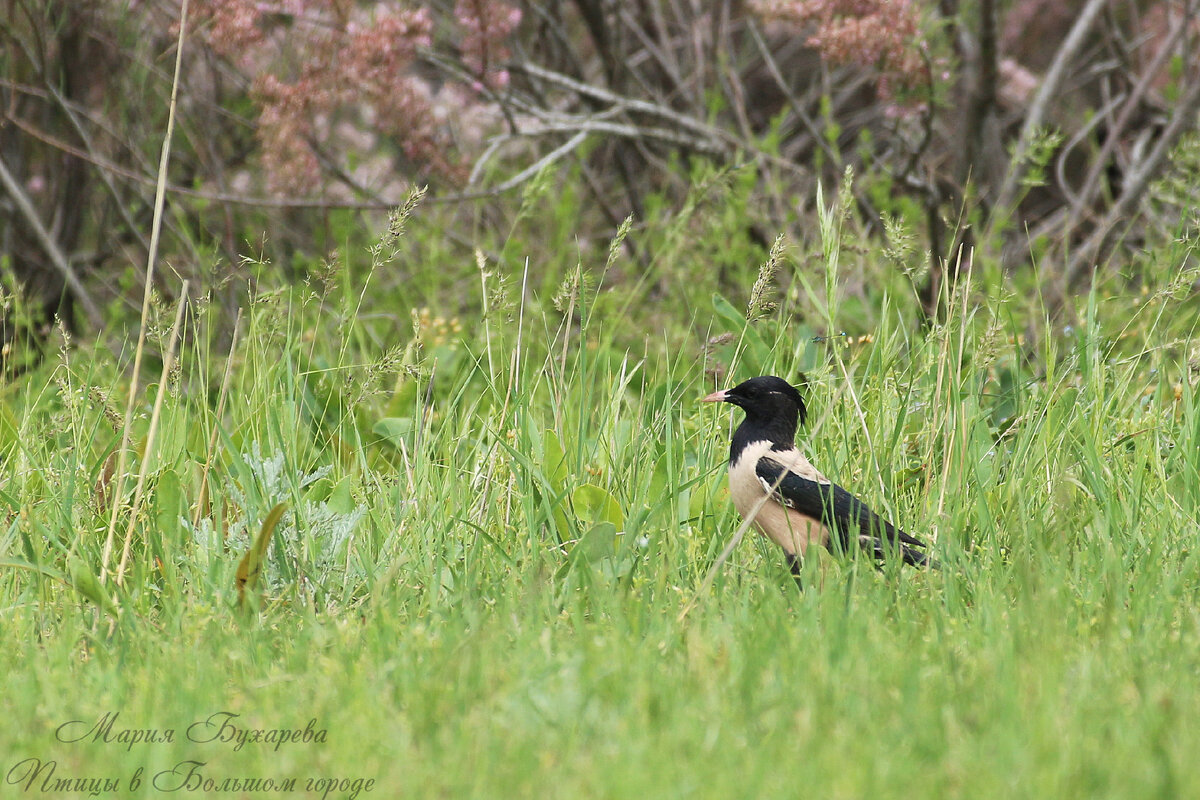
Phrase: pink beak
[715,397]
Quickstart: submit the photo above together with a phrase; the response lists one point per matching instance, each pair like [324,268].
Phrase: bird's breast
[744,486]
[786,527]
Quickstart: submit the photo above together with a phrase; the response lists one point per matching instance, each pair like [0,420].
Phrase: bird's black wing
[848,519]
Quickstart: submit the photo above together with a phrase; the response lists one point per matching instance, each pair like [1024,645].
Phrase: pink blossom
[235,25]
[486,23]
[884,35]
[317,65]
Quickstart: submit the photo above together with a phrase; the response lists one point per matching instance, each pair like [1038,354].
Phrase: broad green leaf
[598,543]
[84,581]
[554,463]
[725,310]
[756,352]
[395,430]
[593,505]
[341,499]
[10,428]
[168,500]
[554,469]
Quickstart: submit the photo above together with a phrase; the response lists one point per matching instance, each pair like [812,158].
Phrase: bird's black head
[773,406]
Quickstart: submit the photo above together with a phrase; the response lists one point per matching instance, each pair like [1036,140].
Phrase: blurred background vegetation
[1047,145]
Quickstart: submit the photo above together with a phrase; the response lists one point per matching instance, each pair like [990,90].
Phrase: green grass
[492,587]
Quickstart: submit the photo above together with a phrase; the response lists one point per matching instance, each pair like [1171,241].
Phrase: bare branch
[626,103]
[51,248]
[543,162]
[1099,164]
[1048,90]
[810,126]
[1183,120]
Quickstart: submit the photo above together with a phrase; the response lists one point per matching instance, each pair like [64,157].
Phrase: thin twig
[1100,163]
[152,255]
[55,253]
[627,103]
[105,177]
[202,495]
[148,455]
[1061,166]
[543,162]
[1047,91]
[1139,179]
[661,56]
[797,107]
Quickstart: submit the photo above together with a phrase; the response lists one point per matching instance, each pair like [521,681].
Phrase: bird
[803,507]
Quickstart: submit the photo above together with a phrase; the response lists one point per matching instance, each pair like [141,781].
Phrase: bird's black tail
[917,558]
[909,549]
[875,534]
